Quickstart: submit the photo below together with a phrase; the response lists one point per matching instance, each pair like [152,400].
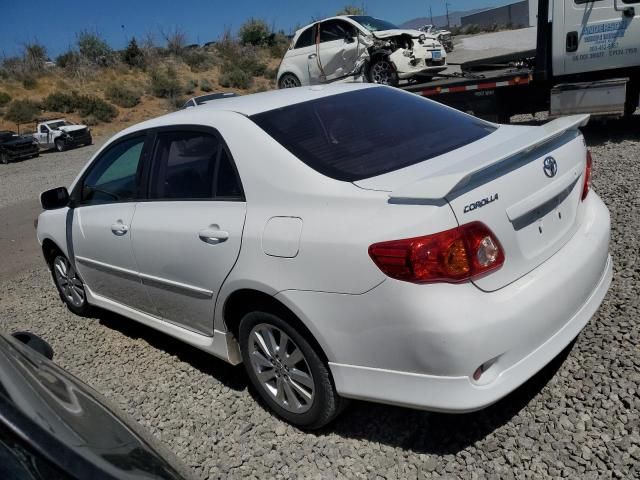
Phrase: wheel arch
[49,249]
[246,300]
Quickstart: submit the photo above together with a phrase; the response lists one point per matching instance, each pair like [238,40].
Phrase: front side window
[336,30]
[184,165]
[368,132]
[306,38]
[115,177]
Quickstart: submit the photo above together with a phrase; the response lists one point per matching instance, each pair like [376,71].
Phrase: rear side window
[184,165]
[369,132]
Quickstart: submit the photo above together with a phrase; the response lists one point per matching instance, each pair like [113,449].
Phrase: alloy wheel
[281,368]
[289,81]
[68,282]
[382,73]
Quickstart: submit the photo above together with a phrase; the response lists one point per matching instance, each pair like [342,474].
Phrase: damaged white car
[359,48]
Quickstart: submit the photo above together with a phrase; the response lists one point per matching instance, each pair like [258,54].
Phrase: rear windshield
[369,132]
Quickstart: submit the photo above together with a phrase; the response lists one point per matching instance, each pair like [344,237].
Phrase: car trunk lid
[503,183]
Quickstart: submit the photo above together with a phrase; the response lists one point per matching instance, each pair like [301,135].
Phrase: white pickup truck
[61,134]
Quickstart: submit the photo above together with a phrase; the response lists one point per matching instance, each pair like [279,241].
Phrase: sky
[55,24]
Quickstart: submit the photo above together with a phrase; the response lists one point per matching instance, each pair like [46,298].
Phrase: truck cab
[61,134]
[594,35]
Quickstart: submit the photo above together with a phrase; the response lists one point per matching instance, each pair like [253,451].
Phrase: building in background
[516,15]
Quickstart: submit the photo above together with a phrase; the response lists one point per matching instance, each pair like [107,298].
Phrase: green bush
[236,78]
[255,32]
[205,86]
[198,60]
[279,45]
[191,86]
[29,82]
[122,95]
[85,105]
[4,98]
[22,111]
[68,59]
[350,10]
[165,83]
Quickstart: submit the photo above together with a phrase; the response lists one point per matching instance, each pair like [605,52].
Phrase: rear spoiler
[455,175]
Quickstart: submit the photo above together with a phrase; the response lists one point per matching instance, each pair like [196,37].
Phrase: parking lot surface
[578,418]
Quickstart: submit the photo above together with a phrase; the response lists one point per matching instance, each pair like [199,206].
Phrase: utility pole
[446,5]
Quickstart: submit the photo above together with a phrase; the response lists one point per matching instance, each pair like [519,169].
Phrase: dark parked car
[16,147]
[53,426]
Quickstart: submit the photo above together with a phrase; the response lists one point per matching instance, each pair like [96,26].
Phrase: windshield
[58,124]
[369,132]
[373,24]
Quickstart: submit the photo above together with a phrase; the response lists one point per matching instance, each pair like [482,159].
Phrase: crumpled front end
[412,54]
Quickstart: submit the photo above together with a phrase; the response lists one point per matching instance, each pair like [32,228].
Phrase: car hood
[72,128]
[399,31]
[42,401]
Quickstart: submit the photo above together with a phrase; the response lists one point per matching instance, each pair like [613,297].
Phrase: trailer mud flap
[606,97]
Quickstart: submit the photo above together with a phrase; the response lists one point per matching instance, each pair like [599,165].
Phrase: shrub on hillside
[198,60]
[165,83]
[350,10]
[22,111]
[4,98]
[122,95]
[255,32]
[68,59]
[279,45]
[29,82]
[205,86]
[191,86]
[236,78]
[85,105]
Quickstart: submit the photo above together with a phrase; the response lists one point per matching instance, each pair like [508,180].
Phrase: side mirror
[54,198]
[34,342]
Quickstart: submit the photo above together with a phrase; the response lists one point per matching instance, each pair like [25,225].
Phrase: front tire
[4,158]
[60,146]
[382,72]
[69,285]
[288,80]
[287,371]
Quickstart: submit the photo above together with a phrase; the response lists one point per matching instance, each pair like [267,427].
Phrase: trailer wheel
[383,72]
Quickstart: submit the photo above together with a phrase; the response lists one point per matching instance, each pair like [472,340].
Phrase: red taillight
[454,255]
[586,186]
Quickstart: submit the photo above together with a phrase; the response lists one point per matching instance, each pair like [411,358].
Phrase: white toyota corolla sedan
[346,241]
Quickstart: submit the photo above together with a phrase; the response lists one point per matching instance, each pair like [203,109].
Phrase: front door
[105,202]
[595,36]
[338,51]
[187,237]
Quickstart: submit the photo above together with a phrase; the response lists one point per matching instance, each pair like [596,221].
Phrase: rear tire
[4,158]
[287,371]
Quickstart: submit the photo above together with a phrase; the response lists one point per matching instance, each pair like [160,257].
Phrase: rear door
[187,236]
[595,36]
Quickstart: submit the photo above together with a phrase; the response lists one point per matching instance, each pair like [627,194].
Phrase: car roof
[336,17]
[250,104]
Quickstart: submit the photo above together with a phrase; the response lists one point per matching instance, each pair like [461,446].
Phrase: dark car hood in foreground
[69,423]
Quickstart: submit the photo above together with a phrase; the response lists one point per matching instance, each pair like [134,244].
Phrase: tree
[351,10]
[176,40]
[94,48]
[255,32]
[133,55]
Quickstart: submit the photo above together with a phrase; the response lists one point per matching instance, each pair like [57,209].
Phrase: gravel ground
[578,418]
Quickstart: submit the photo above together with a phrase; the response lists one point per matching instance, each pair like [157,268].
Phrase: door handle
[119,229]
[213,236]
[312,55]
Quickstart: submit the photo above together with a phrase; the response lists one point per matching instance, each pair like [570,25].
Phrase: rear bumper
[419,345]
[22,154]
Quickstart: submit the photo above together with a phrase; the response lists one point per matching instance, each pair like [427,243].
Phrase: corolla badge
[550,167]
